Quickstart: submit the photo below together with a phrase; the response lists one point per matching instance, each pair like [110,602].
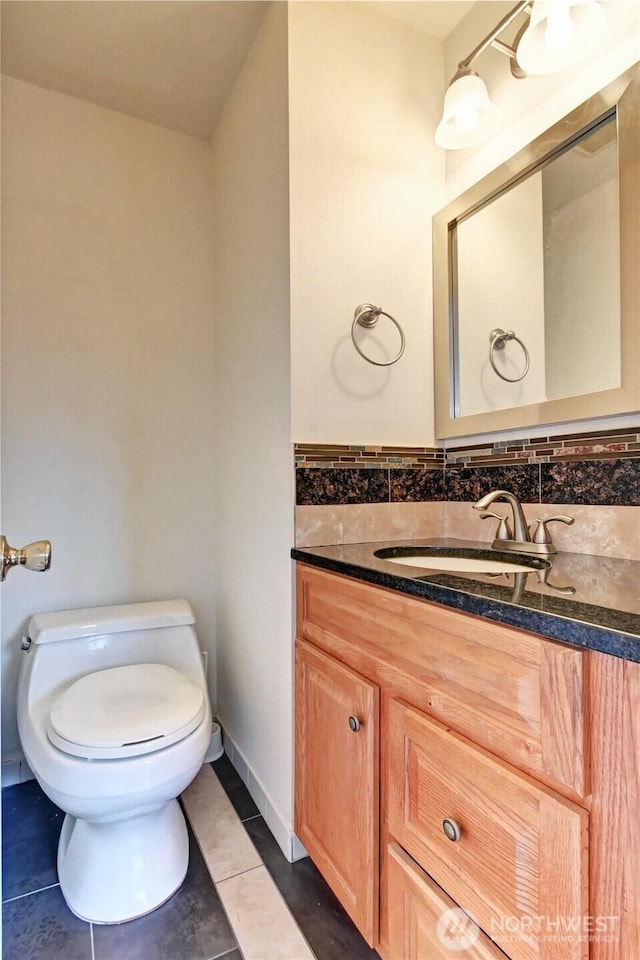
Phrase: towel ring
[497,340]
[366,315]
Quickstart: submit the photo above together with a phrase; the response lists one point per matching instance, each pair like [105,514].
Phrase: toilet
[114,720]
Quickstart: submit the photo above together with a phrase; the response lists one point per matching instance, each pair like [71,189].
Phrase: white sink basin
[432,561]
[462,564]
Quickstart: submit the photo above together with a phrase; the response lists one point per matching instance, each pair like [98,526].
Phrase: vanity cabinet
[490,771]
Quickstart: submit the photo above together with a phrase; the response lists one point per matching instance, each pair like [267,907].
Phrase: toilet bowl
[114,720]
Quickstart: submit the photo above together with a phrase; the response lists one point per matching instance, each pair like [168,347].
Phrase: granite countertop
[587,601]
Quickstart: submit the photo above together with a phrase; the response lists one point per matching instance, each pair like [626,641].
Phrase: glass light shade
[468,116]
[560,33]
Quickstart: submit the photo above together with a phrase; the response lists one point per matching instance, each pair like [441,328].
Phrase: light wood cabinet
[518,695]
[514,848]
[529,748]
[337,780]
[426,924]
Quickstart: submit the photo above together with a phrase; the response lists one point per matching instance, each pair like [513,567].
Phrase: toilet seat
[125,712]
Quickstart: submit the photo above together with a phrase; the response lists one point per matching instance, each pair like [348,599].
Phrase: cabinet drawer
[519,863]
[521,697]
[424,923]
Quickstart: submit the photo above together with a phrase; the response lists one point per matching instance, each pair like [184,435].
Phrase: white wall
[254,479]
[366,177]
[107,355]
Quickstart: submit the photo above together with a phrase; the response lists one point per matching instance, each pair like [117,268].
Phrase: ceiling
[437,18]
[169,62]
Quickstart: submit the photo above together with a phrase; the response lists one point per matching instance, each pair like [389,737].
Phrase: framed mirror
[537,278]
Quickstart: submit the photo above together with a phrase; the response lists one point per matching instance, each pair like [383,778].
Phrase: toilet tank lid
[98,621]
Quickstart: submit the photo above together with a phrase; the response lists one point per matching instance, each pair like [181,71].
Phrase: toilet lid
[125,711]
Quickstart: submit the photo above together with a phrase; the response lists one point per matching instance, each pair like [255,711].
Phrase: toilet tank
[68,644]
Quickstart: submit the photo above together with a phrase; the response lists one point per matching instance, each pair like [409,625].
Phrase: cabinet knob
[354,724]
[452,830]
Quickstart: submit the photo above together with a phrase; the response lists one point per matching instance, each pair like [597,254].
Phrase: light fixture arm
[503,47]
[492,38]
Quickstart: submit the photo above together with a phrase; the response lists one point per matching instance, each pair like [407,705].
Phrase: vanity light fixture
[469,116]
[559,33]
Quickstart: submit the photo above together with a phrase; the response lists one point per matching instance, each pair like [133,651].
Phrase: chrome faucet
[520,540]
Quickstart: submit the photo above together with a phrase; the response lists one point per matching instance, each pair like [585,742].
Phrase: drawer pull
[354,724]
[452,830]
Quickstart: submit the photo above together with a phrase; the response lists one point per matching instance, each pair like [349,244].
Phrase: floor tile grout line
[225,953]
[254,816]
[240,873]
[30,893]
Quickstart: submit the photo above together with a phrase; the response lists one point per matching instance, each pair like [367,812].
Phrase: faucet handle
[541,534]
[504,530]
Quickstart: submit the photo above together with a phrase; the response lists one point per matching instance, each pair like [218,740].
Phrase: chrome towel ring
[366,315]
[497,340]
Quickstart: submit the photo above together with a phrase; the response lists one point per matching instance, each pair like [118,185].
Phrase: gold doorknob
[35,556]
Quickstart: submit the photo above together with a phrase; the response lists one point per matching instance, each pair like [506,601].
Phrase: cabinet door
[337,780]
[507,849]
[424,923]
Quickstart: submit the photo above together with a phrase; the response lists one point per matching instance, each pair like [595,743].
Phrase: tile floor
[241,899]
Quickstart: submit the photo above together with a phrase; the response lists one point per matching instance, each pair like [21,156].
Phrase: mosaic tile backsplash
[597,468]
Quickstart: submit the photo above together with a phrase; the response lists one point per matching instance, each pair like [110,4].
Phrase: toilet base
[117,871]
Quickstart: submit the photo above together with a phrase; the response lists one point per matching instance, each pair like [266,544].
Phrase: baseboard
[297,849]
[283,834]
[16,770]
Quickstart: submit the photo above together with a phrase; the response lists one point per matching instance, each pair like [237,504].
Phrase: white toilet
[114,719]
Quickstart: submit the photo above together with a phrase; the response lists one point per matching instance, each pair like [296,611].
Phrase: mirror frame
[622,97]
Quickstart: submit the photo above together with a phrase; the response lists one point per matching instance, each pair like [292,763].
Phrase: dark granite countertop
[587,601]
